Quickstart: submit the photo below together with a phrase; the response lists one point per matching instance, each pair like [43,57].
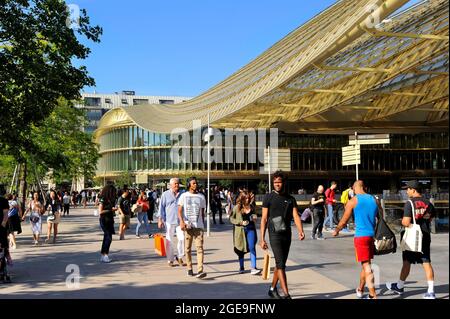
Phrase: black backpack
[384,239]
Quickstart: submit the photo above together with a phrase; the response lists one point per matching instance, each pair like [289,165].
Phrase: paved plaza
[316,269]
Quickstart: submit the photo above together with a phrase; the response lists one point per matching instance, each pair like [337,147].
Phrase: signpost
[351,155]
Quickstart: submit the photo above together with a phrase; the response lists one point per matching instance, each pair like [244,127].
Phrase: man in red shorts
[365,208]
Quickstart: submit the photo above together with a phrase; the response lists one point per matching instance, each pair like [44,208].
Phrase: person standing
[4,246]
[106,208]
[191,213]
[14,218]
[168,210]
[66,203]
[54,217]
[83,198]
[318,209]
[365,208]
[142,218]
[244,219]
[422,211]
[152,197]
[36,210]
[330,201]
[124,212]
[278,210]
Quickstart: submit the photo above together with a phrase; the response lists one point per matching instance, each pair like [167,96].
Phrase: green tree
[60,145]
[124,179]
[38,47]
[225,183]
[37,50]
[262,187]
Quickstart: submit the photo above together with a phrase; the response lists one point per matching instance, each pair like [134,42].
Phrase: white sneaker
[359,293]
[255,271]
[105,259]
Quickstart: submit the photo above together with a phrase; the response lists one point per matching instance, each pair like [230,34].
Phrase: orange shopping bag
[266,266]
[160,247]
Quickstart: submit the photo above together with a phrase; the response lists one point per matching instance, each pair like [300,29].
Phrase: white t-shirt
[192,205]
[66,199]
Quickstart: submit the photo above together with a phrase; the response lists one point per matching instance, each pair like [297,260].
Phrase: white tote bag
[412,239]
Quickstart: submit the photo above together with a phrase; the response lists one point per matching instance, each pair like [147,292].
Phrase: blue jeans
[329,215]
[250,234]
[142,219]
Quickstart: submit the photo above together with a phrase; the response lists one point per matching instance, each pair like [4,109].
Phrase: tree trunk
[23,187]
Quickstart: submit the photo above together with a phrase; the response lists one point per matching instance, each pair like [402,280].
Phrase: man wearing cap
[423,213]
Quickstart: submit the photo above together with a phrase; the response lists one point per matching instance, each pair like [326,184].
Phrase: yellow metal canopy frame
[336,73]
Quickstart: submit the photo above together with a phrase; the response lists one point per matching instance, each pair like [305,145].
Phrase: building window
[140,101]
[108,101]
[124,101]
[92,101]
[166,102]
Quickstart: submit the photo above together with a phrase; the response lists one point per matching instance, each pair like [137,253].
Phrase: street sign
[370,139]
[351,155]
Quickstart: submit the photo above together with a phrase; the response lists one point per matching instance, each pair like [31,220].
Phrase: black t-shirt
[423,211]
[317,196]
[124,205]
[4,204]
[280,205]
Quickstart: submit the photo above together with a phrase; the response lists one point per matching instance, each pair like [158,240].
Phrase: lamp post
[208,192]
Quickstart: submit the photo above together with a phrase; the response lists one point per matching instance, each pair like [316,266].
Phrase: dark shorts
[419,258]
[364,248]
[280,244]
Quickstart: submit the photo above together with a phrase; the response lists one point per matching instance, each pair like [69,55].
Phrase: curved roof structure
[340,71]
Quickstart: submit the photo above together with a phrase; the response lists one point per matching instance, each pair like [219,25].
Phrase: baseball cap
[412,184]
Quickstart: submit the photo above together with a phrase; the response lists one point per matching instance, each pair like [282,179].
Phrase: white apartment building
[98,104]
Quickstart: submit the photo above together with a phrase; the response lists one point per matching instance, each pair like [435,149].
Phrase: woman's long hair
[244,195]
[109,194]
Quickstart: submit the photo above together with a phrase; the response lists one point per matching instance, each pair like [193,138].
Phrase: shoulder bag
[412,238]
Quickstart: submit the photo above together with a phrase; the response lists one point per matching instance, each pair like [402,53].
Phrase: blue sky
[179,47]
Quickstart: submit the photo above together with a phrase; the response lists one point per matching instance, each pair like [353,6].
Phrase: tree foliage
[37,50]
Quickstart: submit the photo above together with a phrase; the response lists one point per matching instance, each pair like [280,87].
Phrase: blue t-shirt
[365,213]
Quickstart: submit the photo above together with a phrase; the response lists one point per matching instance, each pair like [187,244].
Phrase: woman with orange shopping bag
[278,210]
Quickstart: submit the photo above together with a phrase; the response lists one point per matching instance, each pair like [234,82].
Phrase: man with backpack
[422,211]
[365,208]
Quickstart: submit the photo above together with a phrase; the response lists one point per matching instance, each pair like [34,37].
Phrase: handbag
[160,247]
[266,266]
[34,219]
[278,224]
[412,238]
[384,239]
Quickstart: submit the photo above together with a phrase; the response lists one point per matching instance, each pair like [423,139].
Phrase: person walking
[66,203]
[5,256]
[106,208]
[36,210]
[142,218]
[330,201]
[53,218]
[84,198]
[191,213]
[244,219]
[14,219]
[124,207]
[278,210]
[318,209]
[168,209]
[365,208]
[422,211]
[230,206]
[152,197]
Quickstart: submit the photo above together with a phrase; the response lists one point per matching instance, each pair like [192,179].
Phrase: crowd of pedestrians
[182,214]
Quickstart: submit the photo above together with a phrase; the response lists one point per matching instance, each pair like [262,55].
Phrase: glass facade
[135,149]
